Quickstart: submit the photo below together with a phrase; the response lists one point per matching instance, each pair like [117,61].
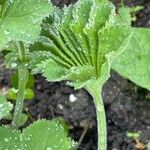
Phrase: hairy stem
[21,51]
[22,81]
[101,117]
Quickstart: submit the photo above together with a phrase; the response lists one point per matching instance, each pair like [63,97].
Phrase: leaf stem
[21,51]
[23,74]
[101,117]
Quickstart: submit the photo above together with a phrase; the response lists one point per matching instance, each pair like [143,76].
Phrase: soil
[127,106]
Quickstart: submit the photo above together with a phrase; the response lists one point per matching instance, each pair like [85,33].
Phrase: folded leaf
[79,41]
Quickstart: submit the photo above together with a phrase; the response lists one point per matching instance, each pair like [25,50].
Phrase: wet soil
[127,106]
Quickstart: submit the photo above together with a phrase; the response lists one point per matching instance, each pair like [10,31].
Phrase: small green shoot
[12,94]
[147,97]
[134,135]
[128,14]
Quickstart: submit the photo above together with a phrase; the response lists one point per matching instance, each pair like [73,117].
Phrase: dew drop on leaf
[6,32]
[13,65]
[49,148]
[6,140]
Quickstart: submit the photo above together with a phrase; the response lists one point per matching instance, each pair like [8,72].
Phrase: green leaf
[23,120]
[12,94]
[21,20]
[52,70]
[125,15]
[133,135]
[128,14]
[9,139]
[79,42]
[29,94]
[134,63]
[84,42]
[41,135]
[8,117]
[11,60]
[78,74]
[52,133]
[14,81]
[5,107]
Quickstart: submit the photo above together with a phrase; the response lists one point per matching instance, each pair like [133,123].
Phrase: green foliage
[12,94]
[127,14]
[82,38]
[5,107]
[24,119]
[20,20]
[134,63]
[19,27]
[41,135]
[14,81]
[28,93]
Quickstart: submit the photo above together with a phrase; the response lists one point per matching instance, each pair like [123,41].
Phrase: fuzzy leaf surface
[20,20]
[5,107]
[41,135]
[134,63]
[80,40]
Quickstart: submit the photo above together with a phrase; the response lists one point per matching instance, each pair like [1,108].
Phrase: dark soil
[127,108]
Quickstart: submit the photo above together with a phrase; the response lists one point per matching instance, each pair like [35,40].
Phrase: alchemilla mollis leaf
[134,63]
[41,135]
[5,107]
[20,20]
[10,139]
[80,39]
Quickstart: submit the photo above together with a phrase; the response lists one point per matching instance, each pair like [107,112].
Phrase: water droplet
[49,148]
[6,140]
[6,32]
[13,65]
